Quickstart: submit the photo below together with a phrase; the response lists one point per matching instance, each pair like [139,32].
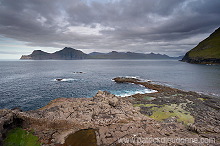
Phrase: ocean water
[32,84]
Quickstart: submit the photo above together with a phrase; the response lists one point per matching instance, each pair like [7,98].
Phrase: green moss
[20,137]
[173,110]
[202,99]
[162,112]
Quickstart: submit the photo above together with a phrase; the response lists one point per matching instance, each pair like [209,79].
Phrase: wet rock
[124,79]
[59,79]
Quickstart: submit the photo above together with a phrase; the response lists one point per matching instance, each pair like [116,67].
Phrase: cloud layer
[162,26]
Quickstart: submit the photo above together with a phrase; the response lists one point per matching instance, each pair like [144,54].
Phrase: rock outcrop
[113,120]
[206,52]
[199,112]
[105,119]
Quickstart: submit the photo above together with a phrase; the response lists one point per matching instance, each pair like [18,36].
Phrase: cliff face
[207,51]
[64,54]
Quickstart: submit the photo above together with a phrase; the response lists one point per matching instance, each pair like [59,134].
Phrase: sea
[30,84]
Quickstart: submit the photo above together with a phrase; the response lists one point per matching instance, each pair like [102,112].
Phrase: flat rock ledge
[112,118]
[200,112]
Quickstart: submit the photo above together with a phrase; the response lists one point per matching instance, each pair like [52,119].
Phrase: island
[106,119]
[65,54]
[206,52]
[69,53]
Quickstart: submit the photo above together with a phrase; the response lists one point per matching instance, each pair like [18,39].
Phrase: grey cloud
[9,52]
[139,25]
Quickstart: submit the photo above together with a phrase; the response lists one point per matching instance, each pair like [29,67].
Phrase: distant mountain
[64,54]
[73,54]
[206,52]
[126,55]
[96,53]
[37,55]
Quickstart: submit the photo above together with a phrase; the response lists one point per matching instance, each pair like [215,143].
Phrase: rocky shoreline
[106,119]
[187,59]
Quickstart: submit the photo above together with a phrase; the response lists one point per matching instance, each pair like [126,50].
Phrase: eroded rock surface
[111,117]
[200,112]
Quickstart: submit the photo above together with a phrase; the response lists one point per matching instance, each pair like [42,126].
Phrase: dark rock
[59,79]
[17,109]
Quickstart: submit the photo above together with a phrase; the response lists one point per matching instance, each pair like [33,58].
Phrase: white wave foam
[141,85]
[129,93]
[64,80]
[145,80]
[133,77]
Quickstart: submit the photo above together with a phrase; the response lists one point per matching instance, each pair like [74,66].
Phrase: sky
[170,27]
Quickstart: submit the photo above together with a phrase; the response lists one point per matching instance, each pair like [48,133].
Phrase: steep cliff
[207,51]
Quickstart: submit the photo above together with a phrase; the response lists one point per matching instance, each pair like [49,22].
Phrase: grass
[20,137]
[208,48]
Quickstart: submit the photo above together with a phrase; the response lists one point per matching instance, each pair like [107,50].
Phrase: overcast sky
[169,27]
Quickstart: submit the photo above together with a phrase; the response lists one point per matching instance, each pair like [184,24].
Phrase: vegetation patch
[173,110]
[202,99]
[208,48]
[163,112]
[20,137]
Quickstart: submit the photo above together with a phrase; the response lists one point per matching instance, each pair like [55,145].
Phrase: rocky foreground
[106,119]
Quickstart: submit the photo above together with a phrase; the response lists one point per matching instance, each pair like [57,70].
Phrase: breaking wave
[125,93]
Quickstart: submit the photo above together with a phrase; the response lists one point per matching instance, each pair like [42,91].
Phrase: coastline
[110,117]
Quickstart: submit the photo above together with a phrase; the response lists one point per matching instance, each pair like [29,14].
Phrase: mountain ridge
[72,54]
[66,53]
